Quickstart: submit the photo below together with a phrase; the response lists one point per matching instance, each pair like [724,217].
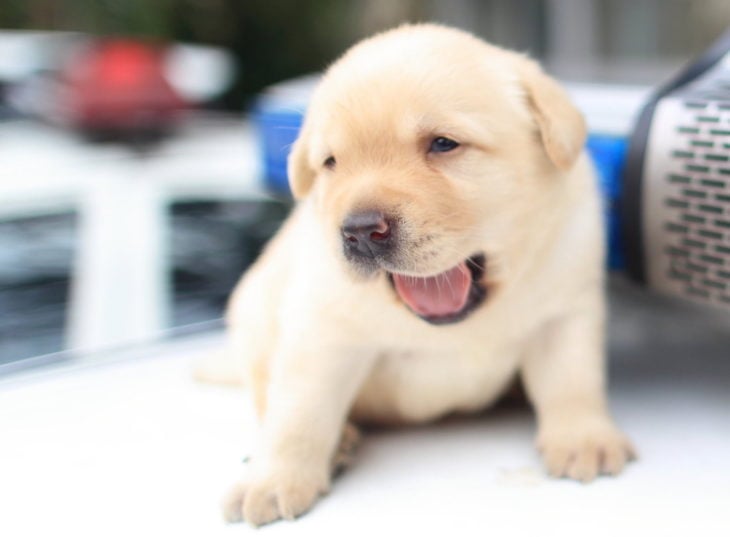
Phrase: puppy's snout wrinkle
[367,233]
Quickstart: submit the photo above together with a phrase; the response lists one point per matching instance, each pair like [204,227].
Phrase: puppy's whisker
[451,286]
[476,265]
[437,281]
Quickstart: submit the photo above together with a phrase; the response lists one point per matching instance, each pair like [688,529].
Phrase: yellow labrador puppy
[447,238]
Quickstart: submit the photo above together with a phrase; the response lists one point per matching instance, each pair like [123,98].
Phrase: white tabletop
[129,444]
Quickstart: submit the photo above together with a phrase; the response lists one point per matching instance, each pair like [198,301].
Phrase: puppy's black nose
[367,233]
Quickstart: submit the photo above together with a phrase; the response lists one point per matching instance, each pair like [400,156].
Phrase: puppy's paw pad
[264,500]
[585,453]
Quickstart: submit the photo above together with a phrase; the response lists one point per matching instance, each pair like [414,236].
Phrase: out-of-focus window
[36,257]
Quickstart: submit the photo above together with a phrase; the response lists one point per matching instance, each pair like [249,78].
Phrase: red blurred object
[118,87]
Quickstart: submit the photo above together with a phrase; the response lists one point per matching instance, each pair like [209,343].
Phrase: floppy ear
[562,127]
[301,175]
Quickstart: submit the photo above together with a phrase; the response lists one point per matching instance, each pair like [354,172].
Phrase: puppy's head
[425,150]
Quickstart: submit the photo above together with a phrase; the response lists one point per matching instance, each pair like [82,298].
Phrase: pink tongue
[435,296]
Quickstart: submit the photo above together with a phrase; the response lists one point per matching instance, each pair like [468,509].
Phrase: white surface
[609,109]
[133,446]
[23,53]
[46,170]
[199,73]
[120,289]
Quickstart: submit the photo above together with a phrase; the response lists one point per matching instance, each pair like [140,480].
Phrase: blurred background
[134,189]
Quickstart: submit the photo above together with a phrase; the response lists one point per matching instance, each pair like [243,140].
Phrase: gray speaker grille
[690,199]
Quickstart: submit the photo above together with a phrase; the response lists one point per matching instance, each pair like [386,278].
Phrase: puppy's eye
[329,162]
[442,145]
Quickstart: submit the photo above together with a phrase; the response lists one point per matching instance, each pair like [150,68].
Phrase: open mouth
[444,298]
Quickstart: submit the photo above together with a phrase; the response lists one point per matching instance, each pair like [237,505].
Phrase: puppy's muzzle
[367,234]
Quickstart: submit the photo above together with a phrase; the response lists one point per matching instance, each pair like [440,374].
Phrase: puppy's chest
[426,371]
[423,383]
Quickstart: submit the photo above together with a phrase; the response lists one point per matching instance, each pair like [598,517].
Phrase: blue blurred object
[279,126]
[609,155]
[277,116]
[277,129]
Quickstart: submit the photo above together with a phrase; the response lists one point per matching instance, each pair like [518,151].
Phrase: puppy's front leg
[564,374]
[311,390]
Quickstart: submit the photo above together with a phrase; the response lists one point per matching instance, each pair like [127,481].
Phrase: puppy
[447,237]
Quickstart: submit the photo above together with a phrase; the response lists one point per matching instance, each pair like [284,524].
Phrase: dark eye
[330,162]
[442,145]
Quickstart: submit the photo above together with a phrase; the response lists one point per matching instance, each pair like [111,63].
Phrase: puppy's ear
[562,127]
[301,175]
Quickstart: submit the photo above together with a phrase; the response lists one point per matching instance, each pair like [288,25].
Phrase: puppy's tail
[220,367]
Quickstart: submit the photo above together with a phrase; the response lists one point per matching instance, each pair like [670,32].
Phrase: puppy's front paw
[261,499]
[584,450]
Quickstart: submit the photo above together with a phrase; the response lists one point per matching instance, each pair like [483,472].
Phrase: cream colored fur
[317,344]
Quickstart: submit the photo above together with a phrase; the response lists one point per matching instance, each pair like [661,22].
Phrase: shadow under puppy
[447,237]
